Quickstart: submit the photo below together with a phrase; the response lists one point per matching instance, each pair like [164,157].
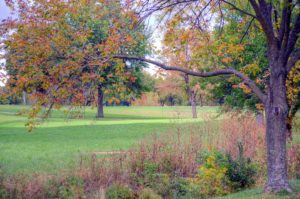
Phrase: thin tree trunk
[24,96]
[191,95]
[260,119]
[100,113]
[193,103]
[276,118]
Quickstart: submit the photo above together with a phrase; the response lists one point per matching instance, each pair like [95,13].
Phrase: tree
[280,23]
[169,89]
[182,46]
[56,51]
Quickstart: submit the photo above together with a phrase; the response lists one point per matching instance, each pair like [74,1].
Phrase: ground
[59,142]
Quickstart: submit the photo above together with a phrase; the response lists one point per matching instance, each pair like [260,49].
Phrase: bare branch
[246,32]
[239,9]
[228,71]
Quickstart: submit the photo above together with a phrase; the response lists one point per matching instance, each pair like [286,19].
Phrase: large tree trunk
[100,113]
[276,131]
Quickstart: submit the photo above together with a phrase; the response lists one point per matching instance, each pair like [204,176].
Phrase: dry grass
[175,153]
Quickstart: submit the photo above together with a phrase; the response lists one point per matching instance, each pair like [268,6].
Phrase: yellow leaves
[251,69]
[245,88]
[292,84]
[229,51]
[113,100]
[211,178]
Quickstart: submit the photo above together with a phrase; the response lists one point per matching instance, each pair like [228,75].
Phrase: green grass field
[59,142]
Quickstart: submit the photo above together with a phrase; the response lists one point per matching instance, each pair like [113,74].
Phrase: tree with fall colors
[57,52]
[279,22]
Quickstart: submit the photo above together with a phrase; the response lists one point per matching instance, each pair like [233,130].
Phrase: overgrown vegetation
[195,161]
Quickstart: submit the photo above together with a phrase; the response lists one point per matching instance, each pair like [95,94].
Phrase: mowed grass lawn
[59,142]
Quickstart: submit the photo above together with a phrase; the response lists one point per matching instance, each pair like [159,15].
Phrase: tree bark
[100,113]
[276,128]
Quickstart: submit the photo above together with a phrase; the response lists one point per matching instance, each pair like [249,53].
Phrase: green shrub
[241,172]
[149,194]
[179,187]
[220,174]
[72,187]
[119,192]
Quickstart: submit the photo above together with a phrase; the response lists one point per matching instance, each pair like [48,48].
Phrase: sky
[4,13]
[4,10]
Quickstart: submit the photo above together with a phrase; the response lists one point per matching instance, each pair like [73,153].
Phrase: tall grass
[173,153]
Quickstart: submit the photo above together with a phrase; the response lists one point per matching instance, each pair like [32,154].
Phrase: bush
[219,173]
[211,178]
[72,187]
[241,172]
[119,192]
[149,194]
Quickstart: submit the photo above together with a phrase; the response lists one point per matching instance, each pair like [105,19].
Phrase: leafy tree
[57,52]
[169,90]
[279,22]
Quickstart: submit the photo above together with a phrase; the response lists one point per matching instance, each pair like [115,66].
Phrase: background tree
[57,50]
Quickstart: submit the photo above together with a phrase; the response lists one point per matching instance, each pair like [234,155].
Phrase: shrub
[72,187]
[211,178]
[180,187]
[149,194]
[241,172]
[119,192]
[218,169]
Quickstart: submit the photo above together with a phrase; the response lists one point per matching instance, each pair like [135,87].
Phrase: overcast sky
[4,10]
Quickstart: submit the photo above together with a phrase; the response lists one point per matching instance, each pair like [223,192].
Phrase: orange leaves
[228,52]
[59,48]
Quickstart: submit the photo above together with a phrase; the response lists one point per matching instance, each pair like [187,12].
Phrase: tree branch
[246,32]
[264,16]
[293,37]
[239,9]
[284,28]
[228,71]
[293,59]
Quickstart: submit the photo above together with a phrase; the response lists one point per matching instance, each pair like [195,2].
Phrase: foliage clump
[118,191]
[220,174]
[149,194]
